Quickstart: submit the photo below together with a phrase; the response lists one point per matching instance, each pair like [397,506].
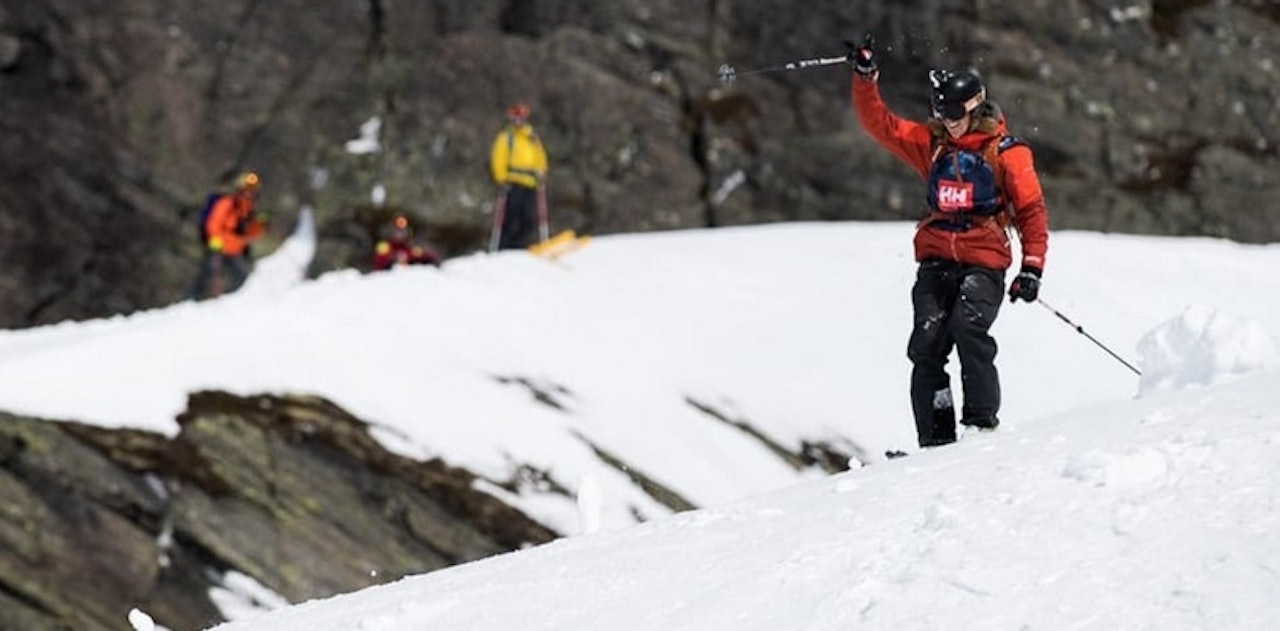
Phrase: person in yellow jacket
[518,164]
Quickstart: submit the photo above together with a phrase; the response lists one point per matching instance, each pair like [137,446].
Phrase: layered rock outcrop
[291,492]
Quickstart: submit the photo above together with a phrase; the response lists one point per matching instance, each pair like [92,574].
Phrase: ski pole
[1079,329]
[728,74]
[499,212]
[544,228]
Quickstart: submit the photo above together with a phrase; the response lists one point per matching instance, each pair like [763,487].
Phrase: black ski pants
[955,305]
[519,218]
[219,274]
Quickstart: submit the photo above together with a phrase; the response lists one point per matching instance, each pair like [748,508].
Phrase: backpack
[986,184]
[203,219]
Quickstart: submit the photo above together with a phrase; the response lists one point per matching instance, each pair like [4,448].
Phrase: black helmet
[955,93]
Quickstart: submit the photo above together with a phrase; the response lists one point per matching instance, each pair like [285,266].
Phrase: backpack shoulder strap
[998,145]
[511,145]
[991,154]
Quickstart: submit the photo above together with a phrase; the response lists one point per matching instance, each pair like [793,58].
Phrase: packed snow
[1106,500]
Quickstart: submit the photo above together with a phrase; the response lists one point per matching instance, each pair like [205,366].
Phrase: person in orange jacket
[981,182]
[398,248]
[229,226]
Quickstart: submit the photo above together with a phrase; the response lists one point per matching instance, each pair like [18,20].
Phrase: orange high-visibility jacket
[231,224]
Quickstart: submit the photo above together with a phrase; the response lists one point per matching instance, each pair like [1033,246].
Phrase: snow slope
[1139,497]
[1151,514]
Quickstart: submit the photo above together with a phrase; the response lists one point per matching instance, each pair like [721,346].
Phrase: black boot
[985,424]
[938,427]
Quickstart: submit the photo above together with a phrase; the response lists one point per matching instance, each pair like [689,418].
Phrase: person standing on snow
[979,181]
[230,225]
[518,164]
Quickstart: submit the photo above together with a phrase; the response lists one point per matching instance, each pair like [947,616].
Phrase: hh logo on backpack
[954,196]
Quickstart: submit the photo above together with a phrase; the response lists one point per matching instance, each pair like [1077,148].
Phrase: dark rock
[1159,118]
[291,491]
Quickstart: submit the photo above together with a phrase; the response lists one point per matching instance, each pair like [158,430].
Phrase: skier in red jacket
[398,248]
[981,183]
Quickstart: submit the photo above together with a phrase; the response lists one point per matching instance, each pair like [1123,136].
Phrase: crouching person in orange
[398,248]
[230,226]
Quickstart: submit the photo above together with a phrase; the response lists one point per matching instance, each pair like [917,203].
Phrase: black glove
[1026,285]
[863,58]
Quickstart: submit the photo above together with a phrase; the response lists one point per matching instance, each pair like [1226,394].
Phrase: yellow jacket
[518,157]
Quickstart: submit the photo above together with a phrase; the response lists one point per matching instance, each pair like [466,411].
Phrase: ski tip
[562,243]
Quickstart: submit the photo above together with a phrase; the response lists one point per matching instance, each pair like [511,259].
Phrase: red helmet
[400,228]
[518,111]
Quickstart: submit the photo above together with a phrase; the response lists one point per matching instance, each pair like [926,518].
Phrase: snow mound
[1200,347]
[287,266]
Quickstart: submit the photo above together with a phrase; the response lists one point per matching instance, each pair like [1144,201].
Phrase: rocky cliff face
[290,491]
[1153,117]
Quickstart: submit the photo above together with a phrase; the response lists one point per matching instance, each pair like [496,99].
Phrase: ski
[559,245]
[967,432]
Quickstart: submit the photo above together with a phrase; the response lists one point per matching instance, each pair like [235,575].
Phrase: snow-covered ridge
[797,329]
[1155,512]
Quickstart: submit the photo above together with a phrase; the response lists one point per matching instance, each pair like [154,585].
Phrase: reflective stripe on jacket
[518,157]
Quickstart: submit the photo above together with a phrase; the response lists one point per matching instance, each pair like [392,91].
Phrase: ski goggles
[957,111]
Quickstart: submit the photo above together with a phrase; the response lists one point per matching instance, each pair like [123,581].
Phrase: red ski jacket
[391,252]
[985,242]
